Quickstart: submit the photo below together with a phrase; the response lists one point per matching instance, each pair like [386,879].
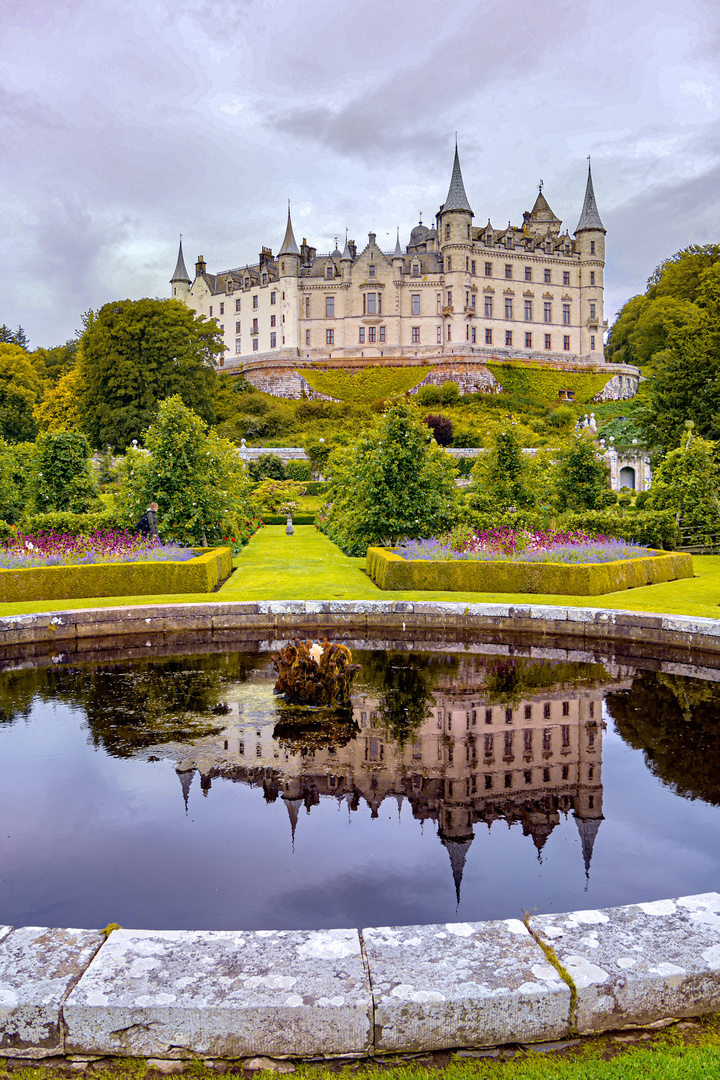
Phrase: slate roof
[589,218]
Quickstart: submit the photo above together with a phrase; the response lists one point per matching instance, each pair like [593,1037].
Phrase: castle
[458,295]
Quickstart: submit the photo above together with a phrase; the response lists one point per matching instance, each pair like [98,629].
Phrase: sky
[125,123]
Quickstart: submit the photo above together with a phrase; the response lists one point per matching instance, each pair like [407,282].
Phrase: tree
[441,427]
[14,337]
[135,353]
[62,408]
[687,482]
[52,364]
[501,477]
[395,482]
[17,470]
[198,479]
[580,477]
[20,391]
[63,478]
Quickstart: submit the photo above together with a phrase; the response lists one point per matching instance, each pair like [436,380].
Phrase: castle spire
[397,254]
[589,218]
[289,244]
[456,197]
[181,274]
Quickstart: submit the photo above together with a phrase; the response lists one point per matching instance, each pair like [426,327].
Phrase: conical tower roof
[181,274]
[456,197]
[589,218]
[588,829]
[185,776]
[347,253]
[289,244]
[457,850]
[397,253]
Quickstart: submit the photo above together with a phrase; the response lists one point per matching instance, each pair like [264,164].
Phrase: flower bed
[201,573]
[25,551]
[503,560]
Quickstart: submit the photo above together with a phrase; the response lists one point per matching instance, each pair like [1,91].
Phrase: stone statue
[289,530]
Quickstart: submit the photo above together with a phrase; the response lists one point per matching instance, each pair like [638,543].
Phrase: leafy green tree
[688,483]
[198,479]
[501,478]
[395,482]
[580,476]
[14,337]
[63,479]
[135,353]
[21,389]
[17,469]
[52,364]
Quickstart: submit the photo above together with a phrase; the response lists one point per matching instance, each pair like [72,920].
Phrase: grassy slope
[307,566]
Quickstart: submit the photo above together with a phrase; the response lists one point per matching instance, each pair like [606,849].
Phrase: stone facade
[457,294]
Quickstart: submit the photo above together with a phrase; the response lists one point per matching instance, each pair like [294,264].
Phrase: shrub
[429,394]
[653,529]
[641,500]
[500,476]
[267,466]
[607,498]
[64,521]
[687,481]
[449,393]
[464,466]
[368,384]
[441,427]
[298,470]
[63,478]
[278,496]
[562,417]
[580,477]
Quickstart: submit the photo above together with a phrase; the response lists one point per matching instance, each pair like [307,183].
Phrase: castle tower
[455,242]
[180,280]
[346,261]
[590,237]
[398,260]
[288,259]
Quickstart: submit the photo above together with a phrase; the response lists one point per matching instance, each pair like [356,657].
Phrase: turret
[590,242]
[288,260]
[398,260]
[180,280]
[346,260]
[289,253]
[455,241]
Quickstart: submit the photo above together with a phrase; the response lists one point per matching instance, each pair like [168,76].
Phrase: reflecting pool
[464,784]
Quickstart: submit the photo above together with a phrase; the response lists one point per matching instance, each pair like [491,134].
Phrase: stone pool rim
[45,1014]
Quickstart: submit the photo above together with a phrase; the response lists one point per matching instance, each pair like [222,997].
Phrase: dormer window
[416,269]
[330,271]
[371,271]
[247,282]
[229,285]
[264,279]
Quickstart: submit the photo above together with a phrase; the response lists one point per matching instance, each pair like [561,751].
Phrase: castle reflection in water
[526,761]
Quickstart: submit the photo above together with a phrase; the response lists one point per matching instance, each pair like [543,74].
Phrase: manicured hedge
[280,519]
[545,383]
[199,575]
[368,384]
[651,528]
[62,521]
[390,571]
[316,487]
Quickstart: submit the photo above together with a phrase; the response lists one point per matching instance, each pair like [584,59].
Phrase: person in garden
[148,523]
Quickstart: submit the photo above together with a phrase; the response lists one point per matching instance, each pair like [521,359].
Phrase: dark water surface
[463,785]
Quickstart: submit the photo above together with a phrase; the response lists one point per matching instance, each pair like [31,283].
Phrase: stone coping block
[636,964]
[462,984]
[38,966]
[176,994]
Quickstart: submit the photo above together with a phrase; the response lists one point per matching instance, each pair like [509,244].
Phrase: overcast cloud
[123,124]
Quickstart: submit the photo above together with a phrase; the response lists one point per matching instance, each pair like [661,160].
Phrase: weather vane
[540,186]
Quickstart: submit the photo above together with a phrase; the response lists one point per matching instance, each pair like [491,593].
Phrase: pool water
[181,793]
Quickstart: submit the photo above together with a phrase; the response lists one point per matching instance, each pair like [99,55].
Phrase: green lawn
[307,566]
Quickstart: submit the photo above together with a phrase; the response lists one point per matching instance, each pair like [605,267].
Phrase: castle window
[371,271]
[255,300]
[565,772]
[472,335]
[488,269]
[566,314]
[508,307]
[237,304]
[415,303]
[255,326]
[439,335]
[488,781]
[361,335]
[222,328]
[330,271]
[449,298]
[592,342]
[449,262]
[528,311]
[415,270]
[528,776]
[527,739]
[546,711]
[546,776]
[548,341]
[546,276]
[547,311]
[592,311]
[222,309]
[565,734]
[416,335]
[307,337]
[488,307]
[329,307]
[508,337]
[488,337]
[273,341]
[307,307]
[449,333]
[508,780]
[329,337]
[467,298]
[382,333]
[238,346]
[256,344]
[211,314]
[264,279]
[229,285]
[247,279]
[528,273]
[467,265]
[592,277]
[447,232]
[508,270]
[237,328]
[566,277]
[547,740]
[272,320]
[566,342]
[472,267]
[591,708]
[528,341]
[273,297]
[468,232]
[592,247]
[371,334]
[472,301]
